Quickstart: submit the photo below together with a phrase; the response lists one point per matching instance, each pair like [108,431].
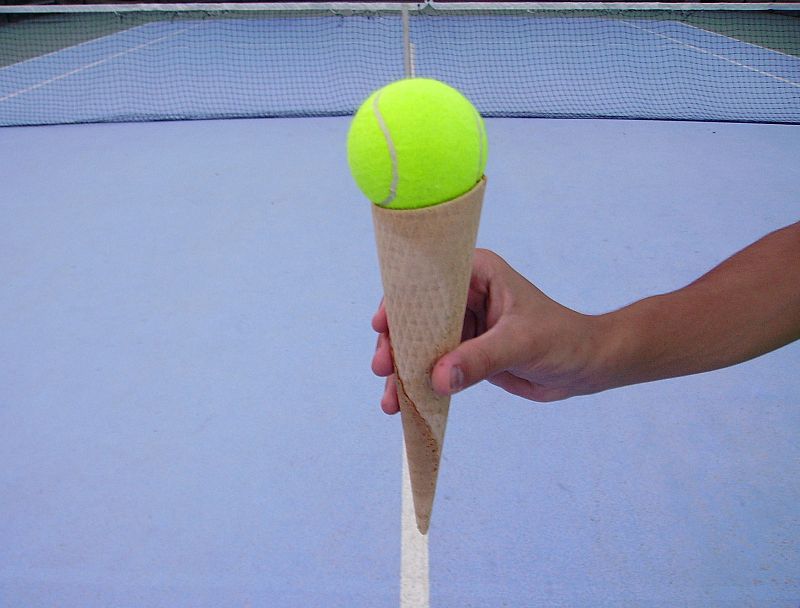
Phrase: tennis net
[97,63]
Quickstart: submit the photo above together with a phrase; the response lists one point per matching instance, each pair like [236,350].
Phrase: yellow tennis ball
[416,143]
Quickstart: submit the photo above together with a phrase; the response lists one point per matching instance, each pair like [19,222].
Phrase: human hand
[514,336]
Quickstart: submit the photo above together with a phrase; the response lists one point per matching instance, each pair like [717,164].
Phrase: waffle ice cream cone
[426,261]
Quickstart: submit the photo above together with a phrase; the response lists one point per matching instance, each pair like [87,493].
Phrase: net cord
[396,7]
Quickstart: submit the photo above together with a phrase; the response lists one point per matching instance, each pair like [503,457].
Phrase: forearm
[745,307]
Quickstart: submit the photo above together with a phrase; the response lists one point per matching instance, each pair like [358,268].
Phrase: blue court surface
[188,418]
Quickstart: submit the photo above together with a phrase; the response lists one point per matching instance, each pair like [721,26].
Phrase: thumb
[472,361]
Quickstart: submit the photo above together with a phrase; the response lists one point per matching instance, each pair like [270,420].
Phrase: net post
[408,50]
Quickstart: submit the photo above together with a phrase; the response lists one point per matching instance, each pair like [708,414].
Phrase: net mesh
[90,66]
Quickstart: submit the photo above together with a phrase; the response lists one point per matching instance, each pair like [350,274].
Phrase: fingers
[468,364]
[482,354]
[382,364]
[389,402]
[474,360]
[379,320]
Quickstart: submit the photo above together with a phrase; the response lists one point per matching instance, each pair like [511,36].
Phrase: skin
[530,345]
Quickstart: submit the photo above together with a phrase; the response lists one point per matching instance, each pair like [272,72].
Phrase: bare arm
[521,340]
[743,308]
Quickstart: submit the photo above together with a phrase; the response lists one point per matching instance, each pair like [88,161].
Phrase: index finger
[379,321]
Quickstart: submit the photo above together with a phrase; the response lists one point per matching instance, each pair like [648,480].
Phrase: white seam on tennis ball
[392,153]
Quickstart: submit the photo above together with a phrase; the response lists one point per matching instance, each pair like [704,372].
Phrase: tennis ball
[416,143]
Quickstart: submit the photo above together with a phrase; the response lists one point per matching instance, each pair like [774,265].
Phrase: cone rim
[479,185]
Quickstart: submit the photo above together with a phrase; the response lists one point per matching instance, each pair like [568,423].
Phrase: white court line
[736,40]
[68,48]
[717,55]
[91,65]
[414,573]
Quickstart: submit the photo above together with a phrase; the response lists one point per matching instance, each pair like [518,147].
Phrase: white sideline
[414,573]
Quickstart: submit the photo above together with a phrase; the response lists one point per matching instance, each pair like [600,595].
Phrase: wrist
[612,340]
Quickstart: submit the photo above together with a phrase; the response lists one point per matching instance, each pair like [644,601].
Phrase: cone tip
[423,524]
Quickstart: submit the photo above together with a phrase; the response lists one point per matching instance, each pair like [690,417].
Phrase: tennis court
[187,414]
[626,64]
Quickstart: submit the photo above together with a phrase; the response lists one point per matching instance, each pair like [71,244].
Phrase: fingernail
[456,379]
